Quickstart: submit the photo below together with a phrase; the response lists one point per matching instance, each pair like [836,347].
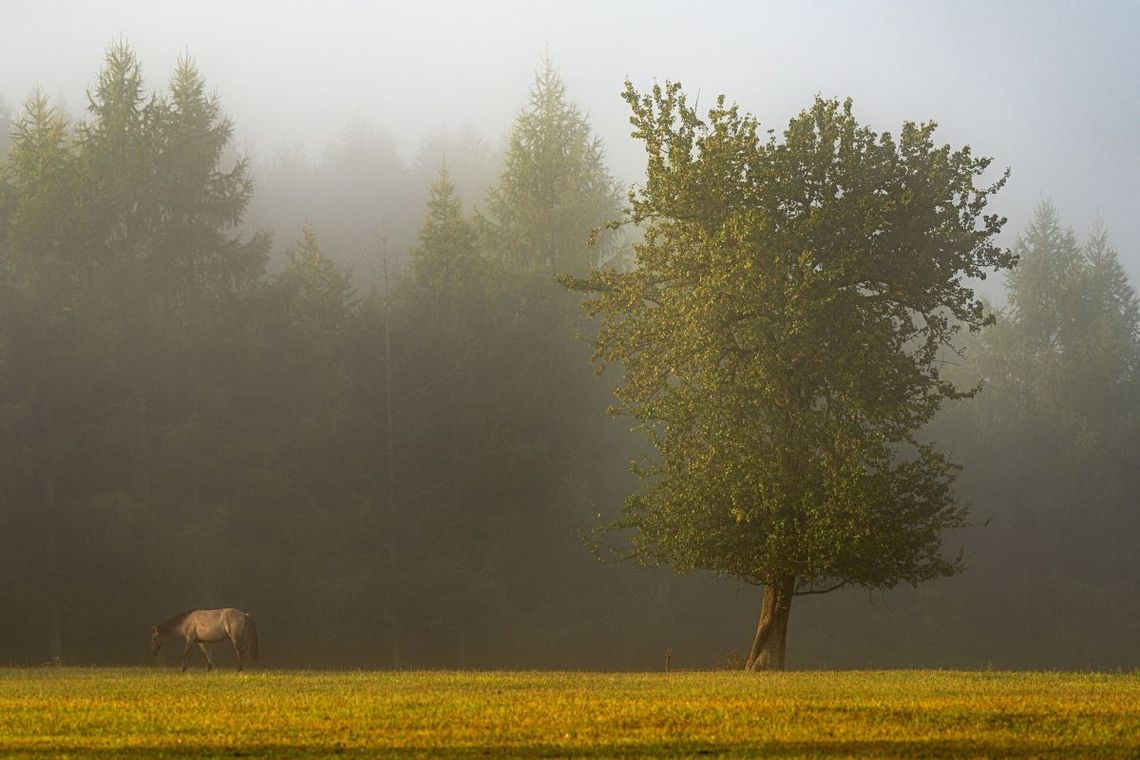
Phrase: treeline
[387,444]
[396,474]
[1049,448]
[360,193]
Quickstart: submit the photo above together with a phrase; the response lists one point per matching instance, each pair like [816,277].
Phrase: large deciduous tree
[780,336]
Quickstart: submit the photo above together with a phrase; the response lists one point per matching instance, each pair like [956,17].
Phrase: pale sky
[1051,89]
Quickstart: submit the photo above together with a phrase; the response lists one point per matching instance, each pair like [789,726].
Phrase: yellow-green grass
[120,712]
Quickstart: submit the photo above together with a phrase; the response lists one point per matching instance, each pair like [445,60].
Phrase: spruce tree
[555,191]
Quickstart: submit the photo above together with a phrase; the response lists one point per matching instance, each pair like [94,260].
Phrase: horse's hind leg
[237,650]
[206,654]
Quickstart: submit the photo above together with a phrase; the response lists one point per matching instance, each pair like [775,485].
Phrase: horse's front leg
[186,654]
[206,654]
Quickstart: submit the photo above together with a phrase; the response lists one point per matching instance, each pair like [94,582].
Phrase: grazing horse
[203,627]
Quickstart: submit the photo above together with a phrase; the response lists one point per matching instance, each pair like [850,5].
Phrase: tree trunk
[51,569]
[394,642]
[772,630]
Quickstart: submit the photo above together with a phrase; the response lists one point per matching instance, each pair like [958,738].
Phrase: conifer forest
[803,390]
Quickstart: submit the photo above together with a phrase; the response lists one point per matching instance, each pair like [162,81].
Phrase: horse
[203,627]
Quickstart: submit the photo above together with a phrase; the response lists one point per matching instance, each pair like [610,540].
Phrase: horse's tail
[251,635]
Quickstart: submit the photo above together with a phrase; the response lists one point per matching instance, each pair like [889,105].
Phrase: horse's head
[157,639]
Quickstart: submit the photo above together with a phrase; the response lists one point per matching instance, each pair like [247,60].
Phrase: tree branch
[827,590]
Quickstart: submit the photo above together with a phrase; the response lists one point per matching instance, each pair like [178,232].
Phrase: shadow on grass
[878,749]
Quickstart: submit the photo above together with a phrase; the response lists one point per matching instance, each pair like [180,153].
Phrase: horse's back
[232,619]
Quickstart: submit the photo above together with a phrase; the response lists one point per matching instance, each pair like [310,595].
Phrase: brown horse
[203,627]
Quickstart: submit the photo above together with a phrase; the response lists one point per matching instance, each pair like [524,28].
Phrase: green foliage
[779,336]
[471,164]
[116,236]
[357,191]
[1060,404]
[447,261]
[399,475]
[1048,447]
[555,190]
[317,291]
[39,198]
[1065,351]
[202,202]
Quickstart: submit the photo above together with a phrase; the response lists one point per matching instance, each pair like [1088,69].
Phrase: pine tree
[43,310]
[472,166]
[1051,442]
[1071,325]
[446,263]
[321,290]
[1111,310]
[117,146]
[555,190]
[1041,288]
[110,234]
[198,248]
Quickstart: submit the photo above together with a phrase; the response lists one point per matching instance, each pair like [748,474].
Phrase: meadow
[74,712]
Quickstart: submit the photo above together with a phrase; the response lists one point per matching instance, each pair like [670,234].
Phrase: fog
[1046,88]
[341,385]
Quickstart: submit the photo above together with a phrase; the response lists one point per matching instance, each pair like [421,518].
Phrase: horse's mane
[173,621]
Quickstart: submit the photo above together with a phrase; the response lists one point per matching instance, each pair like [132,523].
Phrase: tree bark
[772,630]
[394,642]
[51,568]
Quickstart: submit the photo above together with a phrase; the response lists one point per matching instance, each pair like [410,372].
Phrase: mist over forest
[333,366]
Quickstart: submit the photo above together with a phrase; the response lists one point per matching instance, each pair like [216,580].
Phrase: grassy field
[121,712]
